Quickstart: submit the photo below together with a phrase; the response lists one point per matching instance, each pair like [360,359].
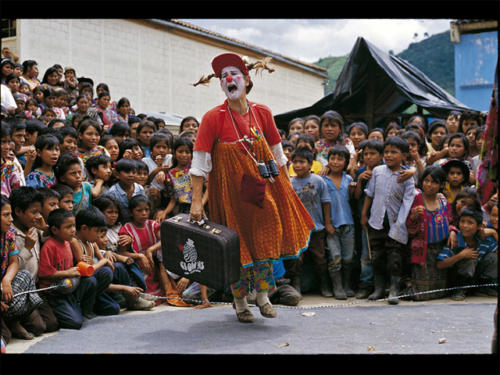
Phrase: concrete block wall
[153,67]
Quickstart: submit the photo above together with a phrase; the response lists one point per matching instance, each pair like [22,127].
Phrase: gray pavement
[435,327]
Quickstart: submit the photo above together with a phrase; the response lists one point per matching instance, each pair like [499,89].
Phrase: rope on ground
[342,305]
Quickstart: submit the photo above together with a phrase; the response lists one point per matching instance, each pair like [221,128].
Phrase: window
[8,28]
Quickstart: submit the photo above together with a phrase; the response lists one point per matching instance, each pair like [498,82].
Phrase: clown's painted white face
[232,82]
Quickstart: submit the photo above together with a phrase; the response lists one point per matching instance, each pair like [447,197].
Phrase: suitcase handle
[200,223]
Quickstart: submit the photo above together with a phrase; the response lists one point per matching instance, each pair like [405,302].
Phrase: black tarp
[374,85]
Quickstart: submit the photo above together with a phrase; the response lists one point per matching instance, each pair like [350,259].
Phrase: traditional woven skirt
[429,277]
[280,229]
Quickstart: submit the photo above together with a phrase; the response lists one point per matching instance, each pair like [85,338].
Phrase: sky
[308,40]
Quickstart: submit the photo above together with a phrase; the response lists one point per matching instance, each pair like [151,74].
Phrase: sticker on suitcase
[191,263]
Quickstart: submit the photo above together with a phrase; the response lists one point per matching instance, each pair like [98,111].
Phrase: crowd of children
[85,181]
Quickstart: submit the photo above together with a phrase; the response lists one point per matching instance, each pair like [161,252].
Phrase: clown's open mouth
[232,87]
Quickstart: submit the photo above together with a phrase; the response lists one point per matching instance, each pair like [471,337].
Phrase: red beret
[228,59]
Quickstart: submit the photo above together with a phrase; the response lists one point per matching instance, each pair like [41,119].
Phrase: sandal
[267,311]
[245,316]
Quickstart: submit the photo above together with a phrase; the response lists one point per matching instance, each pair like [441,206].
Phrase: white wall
[152,66]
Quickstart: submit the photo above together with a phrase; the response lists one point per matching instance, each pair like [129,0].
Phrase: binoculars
[269,169]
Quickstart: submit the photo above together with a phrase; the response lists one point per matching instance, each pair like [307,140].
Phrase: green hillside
[433,56]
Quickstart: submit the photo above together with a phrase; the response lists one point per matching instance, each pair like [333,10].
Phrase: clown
[238,148]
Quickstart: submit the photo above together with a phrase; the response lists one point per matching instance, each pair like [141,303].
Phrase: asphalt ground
[319,326]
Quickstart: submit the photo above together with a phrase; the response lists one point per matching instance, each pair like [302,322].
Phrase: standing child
[47,149]
[457,175]
[373,152]
[331,131]
[306,140]
[376,133]
[56,263]
[313,192]
[428,226]
[145,234]
[178,184]
[69,172]
[388,213]
[339,223]
[357,132]
[474,260]
[458,148]
[312,127]
[288,149]
[296,125]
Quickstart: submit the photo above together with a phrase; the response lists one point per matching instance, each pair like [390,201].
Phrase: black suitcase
[207,253]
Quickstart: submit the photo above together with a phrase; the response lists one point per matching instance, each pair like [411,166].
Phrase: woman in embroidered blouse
[269,217]
[30,74]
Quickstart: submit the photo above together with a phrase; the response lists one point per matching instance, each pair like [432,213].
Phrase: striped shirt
[483,247]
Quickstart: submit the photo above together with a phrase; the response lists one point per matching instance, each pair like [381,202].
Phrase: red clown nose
[229,78]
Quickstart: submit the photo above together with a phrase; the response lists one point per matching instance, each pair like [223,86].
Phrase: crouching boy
[473,260]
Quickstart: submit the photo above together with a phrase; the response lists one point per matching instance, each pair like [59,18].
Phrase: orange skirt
[280,229]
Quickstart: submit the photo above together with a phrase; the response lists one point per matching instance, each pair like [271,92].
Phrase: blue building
[476,58]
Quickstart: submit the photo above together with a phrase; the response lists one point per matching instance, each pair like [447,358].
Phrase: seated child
[65,196]
[11,178]
[56,263]
[69,172]
[15,309]
[47,149]
[50,202]
[99,173]
[145,248]
[474,260]
[90,222]
[122,288]
[111,210]
[126,187]
[313,193]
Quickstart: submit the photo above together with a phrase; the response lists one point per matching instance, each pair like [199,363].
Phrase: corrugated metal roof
[211,34]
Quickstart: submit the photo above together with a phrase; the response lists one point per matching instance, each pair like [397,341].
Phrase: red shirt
[54,256]
[217,124]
